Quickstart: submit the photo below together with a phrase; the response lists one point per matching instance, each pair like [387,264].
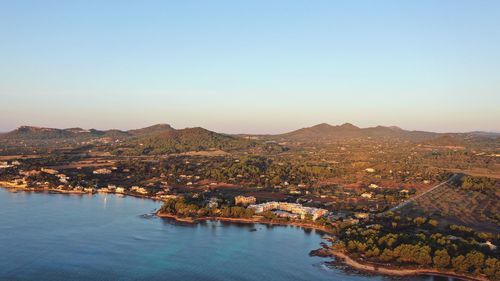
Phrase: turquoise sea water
[107,237]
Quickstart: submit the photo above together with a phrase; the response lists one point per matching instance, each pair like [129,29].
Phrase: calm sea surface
[107,237]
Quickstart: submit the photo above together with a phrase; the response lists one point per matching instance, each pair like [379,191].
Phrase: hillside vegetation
[191,139]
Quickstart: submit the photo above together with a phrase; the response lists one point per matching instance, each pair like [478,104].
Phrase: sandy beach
[386,270]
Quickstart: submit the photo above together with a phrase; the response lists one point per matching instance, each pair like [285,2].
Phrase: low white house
[367,195]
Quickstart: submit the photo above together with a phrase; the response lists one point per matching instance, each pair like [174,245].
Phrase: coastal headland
[339,256]
[326,251]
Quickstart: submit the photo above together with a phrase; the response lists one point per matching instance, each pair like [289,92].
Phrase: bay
[108,237]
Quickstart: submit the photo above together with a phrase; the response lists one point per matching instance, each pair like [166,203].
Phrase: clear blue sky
[250,66]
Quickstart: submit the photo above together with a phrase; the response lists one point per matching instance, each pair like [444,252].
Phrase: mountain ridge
[318,132]
[326,131]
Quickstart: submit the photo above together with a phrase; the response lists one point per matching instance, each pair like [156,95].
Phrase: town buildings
[292,208]
[140,190]
[102,171]
[367,195]
[244,200]
[49,171]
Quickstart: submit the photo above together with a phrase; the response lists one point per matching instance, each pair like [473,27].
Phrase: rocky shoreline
[340,257]
[246,221]
[325,251]
[367,267]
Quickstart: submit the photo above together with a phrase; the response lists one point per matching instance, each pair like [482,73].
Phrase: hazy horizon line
[246,133]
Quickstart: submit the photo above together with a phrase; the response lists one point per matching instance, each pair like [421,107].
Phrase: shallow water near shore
[108,237]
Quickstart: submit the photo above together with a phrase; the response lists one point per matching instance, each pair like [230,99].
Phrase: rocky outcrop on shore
[323,252]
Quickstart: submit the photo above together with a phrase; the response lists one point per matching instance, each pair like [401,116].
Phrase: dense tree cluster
[480,184]
[181,208]
[415,242]
[190,139]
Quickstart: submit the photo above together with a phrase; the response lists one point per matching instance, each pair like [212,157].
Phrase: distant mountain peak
[163,125]
[27,129]
[157,128]
[327,126]
[160,126]
[322,126]
[188,139]
[396,128]
[324,131]
[348,126]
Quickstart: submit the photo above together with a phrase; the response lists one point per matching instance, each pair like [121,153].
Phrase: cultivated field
[455,206]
